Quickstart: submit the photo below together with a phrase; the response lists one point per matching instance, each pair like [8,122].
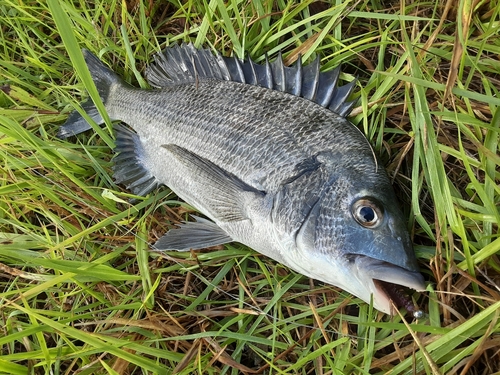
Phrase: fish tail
[104,79]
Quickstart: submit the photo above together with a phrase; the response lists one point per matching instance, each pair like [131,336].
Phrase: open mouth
[390,284]
[399,295]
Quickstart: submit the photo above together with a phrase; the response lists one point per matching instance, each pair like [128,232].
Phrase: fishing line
[214,286]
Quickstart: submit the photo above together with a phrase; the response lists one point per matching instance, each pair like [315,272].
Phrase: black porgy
[266,153]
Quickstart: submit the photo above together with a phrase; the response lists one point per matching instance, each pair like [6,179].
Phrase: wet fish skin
[282,174]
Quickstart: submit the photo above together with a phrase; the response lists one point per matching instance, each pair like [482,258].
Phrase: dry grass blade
[188,356]
[464,16]
[223,357]
[483,345]
[428,358]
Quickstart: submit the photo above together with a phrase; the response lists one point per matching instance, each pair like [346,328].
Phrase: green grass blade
[71,44]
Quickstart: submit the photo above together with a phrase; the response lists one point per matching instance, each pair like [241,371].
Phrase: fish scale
[266,153]
[230,141]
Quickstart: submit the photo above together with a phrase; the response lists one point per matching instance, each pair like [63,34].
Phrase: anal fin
[130,165]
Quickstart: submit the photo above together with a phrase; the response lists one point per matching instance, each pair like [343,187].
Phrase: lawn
[82,292]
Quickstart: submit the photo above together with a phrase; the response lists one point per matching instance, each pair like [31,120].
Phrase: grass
[80,291]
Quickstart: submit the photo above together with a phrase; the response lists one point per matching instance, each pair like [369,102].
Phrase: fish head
[356,238]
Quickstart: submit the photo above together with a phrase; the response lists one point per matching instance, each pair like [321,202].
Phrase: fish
[266,154]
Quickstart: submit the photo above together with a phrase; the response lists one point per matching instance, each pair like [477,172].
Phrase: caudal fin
[104,78]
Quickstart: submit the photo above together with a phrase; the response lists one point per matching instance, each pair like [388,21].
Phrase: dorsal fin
[186,64]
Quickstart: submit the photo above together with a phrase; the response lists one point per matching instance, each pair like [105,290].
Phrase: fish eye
[367,213]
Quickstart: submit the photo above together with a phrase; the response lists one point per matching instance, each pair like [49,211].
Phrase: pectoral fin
[194,235]
[219,194]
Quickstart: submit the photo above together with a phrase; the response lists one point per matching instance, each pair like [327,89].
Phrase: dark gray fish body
[277,168]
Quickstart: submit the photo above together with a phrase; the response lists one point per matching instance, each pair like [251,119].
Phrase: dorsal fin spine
[298,76]
[187,65]
[316,77]
[254,80]
[195,70]
[339,103]
[223,67]
[269,74]
[310,80]
[279,74]
[241,74]
[325,96]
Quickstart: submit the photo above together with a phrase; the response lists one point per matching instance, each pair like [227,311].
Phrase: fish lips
[387,282]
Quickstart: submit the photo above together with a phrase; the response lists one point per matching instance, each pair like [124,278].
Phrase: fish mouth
[398,295]
[390,284]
